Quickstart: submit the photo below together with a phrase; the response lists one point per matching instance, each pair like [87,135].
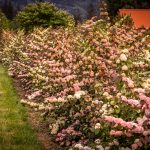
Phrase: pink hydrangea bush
[92,81]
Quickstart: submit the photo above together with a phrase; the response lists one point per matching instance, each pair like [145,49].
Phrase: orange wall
[139,16]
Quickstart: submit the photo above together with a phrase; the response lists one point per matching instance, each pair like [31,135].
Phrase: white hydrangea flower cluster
[123,57]
[36,106]
[79,94]
[81,147]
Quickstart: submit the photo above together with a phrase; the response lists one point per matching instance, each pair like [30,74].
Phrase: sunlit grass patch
[15,132]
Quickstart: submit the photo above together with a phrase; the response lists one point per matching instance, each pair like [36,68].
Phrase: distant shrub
[43,15]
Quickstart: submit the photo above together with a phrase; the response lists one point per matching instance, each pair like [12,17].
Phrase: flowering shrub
[92,81]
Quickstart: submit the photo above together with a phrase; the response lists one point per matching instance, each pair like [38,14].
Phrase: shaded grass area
[15,132]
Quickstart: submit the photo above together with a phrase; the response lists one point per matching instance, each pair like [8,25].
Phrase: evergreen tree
[43,15]
[8,9]
[91,11]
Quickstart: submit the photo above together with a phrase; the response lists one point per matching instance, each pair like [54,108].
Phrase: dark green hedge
[43,15]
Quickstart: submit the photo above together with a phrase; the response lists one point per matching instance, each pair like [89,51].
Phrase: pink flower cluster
[116,133]
[134,127]
[66,135]
[128,81]
[132,102]
[34,95]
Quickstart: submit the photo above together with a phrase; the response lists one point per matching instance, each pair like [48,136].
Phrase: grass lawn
[15,132]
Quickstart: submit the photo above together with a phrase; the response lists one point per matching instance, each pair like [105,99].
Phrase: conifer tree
[8,9]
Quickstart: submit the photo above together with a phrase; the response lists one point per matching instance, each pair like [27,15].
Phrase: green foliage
[4,23]
[114,5]
[43,15]
[123,20]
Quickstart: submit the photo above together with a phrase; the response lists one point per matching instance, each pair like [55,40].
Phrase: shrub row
[91,82]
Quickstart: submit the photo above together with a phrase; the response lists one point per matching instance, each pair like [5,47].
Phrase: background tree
[91,11]
[8,9]
[43,15]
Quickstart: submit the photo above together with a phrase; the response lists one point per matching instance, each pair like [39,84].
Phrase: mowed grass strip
[15,132]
